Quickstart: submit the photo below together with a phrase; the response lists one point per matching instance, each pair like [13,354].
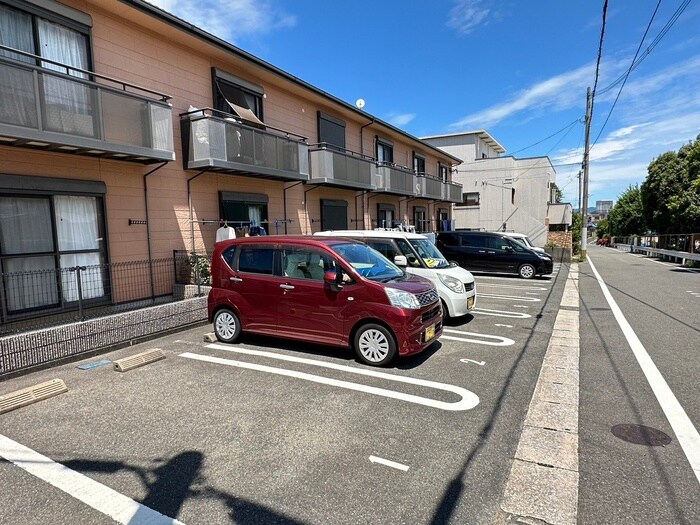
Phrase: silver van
[417,255]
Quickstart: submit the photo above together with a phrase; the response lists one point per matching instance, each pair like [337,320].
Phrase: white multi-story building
[502,193]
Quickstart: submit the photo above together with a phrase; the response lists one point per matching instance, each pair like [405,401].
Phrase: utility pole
[584,196]
[580,180]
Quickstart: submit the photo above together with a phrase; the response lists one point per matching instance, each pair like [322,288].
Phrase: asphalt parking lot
[268,431]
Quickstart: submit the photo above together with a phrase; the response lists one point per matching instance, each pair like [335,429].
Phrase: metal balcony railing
[452,192]
[70,110]
[215,140]
[344,168]
[395,179]
[430,187]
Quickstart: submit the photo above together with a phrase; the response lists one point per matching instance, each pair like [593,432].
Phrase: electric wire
[629,70]
[547,138]
[650,48]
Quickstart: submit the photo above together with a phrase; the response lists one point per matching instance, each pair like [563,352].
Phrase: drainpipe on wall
[306,210]
[362,146]
[189,203]
[148,226]
[284,201]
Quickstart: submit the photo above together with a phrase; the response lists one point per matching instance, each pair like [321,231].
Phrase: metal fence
[33,300]
[680,242]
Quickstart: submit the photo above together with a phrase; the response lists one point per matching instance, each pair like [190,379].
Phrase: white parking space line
[516,287]
[686,433]
[497,340]
[100,497]
[510,297]
[501,313]
[388,463]
[468,399]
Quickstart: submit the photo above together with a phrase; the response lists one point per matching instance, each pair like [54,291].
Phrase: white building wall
[494,178]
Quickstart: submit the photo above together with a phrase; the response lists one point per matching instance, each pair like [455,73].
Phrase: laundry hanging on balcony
[235,98]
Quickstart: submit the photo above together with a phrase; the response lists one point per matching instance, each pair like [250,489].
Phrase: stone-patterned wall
[29,349]
[560,239]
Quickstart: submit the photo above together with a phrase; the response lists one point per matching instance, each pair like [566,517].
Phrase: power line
[641,42]
[649,49]
[547,138]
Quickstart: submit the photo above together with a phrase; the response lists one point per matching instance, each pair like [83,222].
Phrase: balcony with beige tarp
[227,143]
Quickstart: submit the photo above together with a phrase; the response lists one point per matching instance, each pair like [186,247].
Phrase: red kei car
[331,291]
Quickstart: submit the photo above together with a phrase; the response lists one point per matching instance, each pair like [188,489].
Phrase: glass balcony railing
[75,111]
[215,140]
[395,180]
[429,187]
[341,168]
[452,192]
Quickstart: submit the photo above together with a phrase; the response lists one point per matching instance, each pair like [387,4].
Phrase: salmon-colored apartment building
[126,133]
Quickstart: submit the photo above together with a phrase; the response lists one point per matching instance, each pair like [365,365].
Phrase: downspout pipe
[306,209]
[148,227]
[284,201]
[189,203]
[362,145]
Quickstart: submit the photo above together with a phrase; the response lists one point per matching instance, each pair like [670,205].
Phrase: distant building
[603,207]
[503,193]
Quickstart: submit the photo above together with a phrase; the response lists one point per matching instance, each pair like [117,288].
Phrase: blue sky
[517,69]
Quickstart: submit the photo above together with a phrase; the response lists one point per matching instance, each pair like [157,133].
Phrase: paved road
[268,431]
[622,482]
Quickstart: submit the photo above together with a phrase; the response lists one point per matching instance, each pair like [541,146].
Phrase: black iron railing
[33,300]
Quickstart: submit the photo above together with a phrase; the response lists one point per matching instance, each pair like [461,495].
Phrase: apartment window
[385,215]
[244,209]
[385,151]
[331,131]
[238,97]
[418,163]
[419,220]
[442,172]
[334,214]
[69,104]
[469,199]
[43,236]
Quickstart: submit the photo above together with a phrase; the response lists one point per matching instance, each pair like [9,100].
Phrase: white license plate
[470,303]
[429,333]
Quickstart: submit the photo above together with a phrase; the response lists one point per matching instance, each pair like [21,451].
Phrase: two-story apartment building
[126,133]
[502,192]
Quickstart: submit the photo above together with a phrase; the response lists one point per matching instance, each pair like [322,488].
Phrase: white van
[419,256]
[523,239]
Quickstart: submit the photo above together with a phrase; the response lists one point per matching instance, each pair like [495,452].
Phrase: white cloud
[559,92]
[466,15]
[229,19]
[400,120]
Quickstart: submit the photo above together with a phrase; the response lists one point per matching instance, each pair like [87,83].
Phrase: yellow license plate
[470,303]
[429,333]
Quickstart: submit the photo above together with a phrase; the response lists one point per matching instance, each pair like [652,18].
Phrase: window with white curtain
[69,104]
[41,238]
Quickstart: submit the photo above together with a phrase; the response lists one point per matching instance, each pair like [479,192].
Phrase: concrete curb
[543,484]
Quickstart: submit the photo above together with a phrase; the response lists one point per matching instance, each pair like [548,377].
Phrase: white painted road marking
[541,288]
[686,433]
[101,498]
[501,313]
[504,325]
[469,399]
[388,463]
[500,341]
[511,297]
[480,363]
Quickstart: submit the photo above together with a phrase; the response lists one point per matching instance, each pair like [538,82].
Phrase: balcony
[69,110]
[216,141]
[429,187]
[341,168]
[452,192]
[395,180]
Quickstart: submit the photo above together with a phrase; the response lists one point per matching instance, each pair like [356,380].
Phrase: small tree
[576,223]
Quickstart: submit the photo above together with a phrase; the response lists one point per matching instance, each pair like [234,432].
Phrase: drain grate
[641,435]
